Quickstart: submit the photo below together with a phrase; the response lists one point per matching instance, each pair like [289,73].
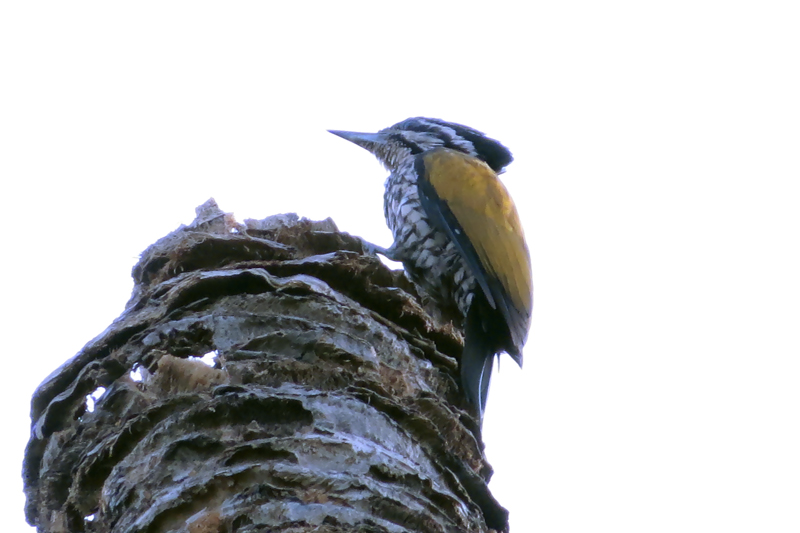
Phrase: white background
[657,172]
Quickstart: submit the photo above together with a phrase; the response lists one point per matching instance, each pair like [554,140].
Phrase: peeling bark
[332,404]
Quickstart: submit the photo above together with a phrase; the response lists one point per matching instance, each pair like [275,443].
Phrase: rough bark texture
[332,406]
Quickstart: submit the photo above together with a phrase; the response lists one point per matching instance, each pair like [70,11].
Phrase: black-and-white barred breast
[429,256]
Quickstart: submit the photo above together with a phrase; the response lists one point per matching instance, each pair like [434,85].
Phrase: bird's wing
[464,197]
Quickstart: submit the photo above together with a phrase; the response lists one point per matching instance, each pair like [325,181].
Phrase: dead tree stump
[330,404]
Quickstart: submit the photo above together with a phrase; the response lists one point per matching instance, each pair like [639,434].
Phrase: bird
[458,234]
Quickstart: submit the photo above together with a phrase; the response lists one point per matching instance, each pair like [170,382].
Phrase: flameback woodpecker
[458,235]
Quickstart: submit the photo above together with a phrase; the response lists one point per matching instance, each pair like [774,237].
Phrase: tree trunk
[332,403]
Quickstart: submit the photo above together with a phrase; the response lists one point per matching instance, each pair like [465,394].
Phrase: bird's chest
[429,256]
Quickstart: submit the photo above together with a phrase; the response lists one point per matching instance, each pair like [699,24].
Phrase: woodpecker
[458,235]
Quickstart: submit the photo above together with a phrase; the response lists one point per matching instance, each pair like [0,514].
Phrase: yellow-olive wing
[465,198]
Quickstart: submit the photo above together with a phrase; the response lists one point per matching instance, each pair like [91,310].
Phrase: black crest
[489,150]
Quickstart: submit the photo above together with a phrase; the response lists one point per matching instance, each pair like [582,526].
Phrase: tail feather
[486,377]
[477,360]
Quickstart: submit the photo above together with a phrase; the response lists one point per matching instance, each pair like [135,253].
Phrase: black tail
[477,359]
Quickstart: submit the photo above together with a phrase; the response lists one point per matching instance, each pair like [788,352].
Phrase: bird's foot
[374,249]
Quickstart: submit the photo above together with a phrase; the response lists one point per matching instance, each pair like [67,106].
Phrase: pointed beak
[364,140]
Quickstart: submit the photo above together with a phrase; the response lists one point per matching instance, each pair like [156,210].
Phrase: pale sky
[657,176]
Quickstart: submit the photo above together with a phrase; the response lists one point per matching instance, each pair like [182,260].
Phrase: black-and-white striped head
[413,136]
